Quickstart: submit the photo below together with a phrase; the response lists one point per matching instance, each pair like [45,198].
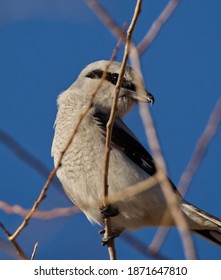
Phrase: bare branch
[34,251]
[133,190]
[159,239]
[201,147]
[106,19]
[40,214]
[116,94]
[107,221]
[157,26]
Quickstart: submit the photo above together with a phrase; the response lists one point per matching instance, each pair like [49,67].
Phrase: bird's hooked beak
[143,96]
[149,98]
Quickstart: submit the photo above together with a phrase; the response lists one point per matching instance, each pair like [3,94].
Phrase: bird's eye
[114,78]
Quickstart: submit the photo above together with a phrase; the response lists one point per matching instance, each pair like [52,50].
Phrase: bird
[81,166]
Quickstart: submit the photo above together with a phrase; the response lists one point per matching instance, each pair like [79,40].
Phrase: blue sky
[44,45]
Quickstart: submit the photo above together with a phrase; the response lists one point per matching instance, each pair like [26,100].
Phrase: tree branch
[157,25]
[107,221]
[40,214]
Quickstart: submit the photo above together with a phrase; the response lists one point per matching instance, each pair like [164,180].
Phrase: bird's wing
[126,142]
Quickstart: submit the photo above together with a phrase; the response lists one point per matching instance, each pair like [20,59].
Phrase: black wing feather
[124,141]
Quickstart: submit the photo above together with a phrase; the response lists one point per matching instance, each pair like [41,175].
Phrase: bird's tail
[202,223]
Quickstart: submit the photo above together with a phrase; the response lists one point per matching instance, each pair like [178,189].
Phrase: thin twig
[106,19]
[159,239]
[157,25]
[36,204]
[39,214]
[107,221]
[114,104]
[34,251]
[201,148]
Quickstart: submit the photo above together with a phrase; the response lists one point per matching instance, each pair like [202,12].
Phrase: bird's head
[131,91]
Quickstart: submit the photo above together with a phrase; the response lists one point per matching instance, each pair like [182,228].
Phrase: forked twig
[157,25]
[8,248]
[18,249]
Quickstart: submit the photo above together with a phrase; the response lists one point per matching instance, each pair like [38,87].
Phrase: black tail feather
[211,235]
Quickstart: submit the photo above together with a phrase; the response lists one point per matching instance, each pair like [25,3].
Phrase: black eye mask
[111,77]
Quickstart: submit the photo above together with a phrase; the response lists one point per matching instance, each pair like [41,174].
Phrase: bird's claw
[102,231]
[108,211]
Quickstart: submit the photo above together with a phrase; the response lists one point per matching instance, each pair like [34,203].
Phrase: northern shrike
[82,164]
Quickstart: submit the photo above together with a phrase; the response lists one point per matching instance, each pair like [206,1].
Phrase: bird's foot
[108,211]
[102,231]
